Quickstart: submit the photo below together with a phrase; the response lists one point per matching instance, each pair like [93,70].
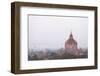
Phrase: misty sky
[52,31]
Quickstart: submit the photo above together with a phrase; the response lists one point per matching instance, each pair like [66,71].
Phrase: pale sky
[52,31]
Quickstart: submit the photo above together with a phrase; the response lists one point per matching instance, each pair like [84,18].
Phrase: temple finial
[71,32]
[71,36]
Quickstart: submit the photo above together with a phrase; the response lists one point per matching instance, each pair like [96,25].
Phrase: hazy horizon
[52,32]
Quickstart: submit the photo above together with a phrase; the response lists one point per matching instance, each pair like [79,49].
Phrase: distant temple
[71,45]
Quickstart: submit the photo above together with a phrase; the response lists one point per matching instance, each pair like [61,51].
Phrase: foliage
[61,53]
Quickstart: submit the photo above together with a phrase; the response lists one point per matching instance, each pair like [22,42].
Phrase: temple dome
[71,40]
[71,43]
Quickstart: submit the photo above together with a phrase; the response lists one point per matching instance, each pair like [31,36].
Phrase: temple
[71,45]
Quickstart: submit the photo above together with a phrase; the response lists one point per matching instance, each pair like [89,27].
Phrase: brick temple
[71,45]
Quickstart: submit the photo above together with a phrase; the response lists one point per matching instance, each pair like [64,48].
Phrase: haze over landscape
[57,37]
